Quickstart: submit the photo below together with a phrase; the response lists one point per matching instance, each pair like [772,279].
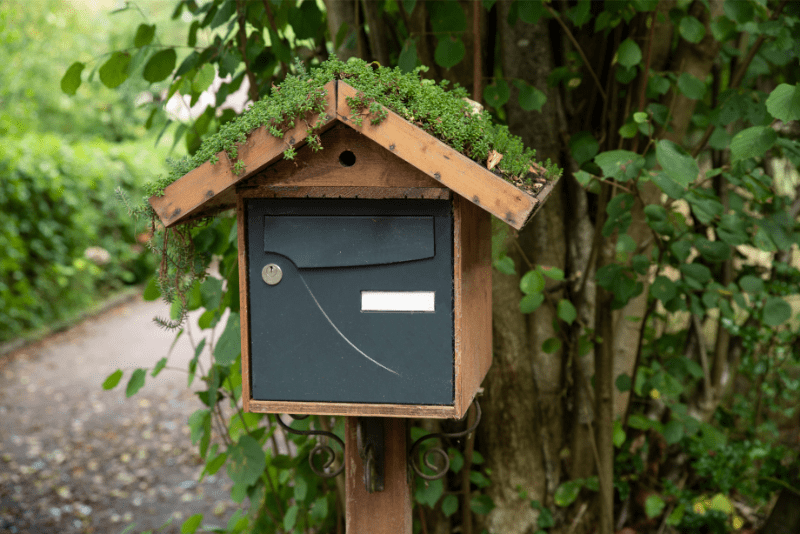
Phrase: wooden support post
[387,511]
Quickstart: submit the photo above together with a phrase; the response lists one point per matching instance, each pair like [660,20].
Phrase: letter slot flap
[349,241]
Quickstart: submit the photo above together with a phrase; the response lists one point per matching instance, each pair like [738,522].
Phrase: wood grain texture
[472,282]
[387,511]
[442,163]
[190,196]
[244,314]
[352,408]
[347,192]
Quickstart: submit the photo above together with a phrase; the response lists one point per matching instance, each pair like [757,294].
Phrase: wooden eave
[210,188]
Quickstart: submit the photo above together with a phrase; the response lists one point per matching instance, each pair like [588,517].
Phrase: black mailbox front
[351,300]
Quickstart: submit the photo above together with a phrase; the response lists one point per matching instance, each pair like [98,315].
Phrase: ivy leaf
[429,492]
[530,98]
[669,186]
[481,504]
[135,383]
[629,54]
[112,380]
[776,311]
[691,87]
[191,525]
[653,506]
[712,250]
[567,311]
[692,29]
[246,461]
[408,56]
[663,289]
[783,102]
[583,146]
[115,70]
[752,142]
[496,94]
[532,282]
[160,65]
[450,505]
[677,163]
[144,35]
[229,345]
[450,50]
[72,78]
[530,303]
[751,284]
[456,459]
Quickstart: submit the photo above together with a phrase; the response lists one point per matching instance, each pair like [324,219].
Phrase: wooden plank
[244,291]
[189,196]
[348,159]
[472,285]
[382,512]
[352,408]
[442,163]
[289,191]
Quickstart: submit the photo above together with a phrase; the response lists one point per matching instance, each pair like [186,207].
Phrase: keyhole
[347,159]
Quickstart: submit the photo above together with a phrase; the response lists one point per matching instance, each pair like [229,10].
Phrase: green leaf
[712,438]
[115,70]
[583,146]
[663,289]
[653,506]
[530,11]
[776,311]
[629,53]
[677,163]
[211,293]
[409,5]
[151,291]
[229,345]
[752,142]
[740,11]
[446,17]
[712,250]
[306,20]
[696,271]
[144,35]
[692,29]
[203,78]
[450,51]
[191,525]
[567,492]
[72,78]
[160,65]
[691,86]
[669,186]
[246,461]
[159,367]
[615,163]
[566,311]
[551,345]
[496,94]
[673,432]
[751,284]
[477,478]
[135,383]
[319,510]
[623,383]
[530,98]
[429,492]
[113,379]
[408,56]
[290,519]
[456,459]
[449,505]
[300,489]
[618,435]
[530,303]
[532,282]
[553,273]
[783,102]
[505,265]
[640,117]
[481,504]
[215,464]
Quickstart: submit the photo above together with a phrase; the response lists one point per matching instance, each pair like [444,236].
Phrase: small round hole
[347,159]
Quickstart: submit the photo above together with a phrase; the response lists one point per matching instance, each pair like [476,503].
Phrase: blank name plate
[398,301]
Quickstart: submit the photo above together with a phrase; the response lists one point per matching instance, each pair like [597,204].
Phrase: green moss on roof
[443,113]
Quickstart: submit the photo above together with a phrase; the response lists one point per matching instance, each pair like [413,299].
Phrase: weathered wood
[354,408]
[472,284]
[383,512]
[191,196]
[290,191]
[244,315]
[442,163]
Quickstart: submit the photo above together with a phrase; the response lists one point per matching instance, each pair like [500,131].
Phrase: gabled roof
[210,187]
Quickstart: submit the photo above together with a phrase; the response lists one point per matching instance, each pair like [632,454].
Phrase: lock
[271,274]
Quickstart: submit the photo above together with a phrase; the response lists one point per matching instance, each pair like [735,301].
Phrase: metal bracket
[326,471]
[439,471]
[372,450]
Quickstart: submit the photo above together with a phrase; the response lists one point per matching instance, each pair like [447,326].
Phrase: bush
[65,238]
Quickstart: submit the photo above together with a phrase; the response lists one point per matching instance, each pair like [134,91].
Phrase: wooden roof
[210,188]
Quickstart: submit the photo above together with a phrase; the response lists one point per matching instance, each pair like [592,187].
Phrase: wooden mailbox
[365,268]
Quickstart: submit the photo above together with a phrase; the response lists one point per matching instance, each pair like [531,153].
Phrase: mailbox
[365,268]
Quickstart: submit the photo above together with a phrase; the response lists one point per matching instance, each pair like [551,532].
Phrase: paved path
[77,459]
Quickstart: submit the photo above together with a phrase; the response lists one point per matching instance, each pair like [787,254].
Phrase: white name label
[398,301]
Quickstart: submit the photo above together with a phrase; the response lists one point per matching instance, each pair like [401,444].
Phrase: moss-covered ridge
[442,113]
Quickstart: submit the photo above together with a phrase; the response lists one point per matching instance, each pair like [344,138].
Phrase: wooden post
[387,511]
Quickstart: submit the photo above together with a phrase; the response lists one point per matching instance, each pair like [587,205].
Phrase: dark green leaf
[409,5]
[696,271]
[751,284]
[211,293]
[456,459]
[159,367]
[653,506]
[551,345]
[115,70]
[619,433]
[532,282]
[566,311]
[246,461]
[72,78]
[203,78]
[319,510]
[629,53]
[505,265]
[160,65]
[752,142]
[112,380]
[531,303]
[584,147]
[446,17]
[223,14]
[151,291]
[449,505]
[616,163]
[450,51]
[229,345]
[669,186]
[191,525]
[530,11]
[692,29]
[530,98]
[135,383]
[478,479]
[496,94]
[567,492]
[783,102]
[144,35]
[663,289]
[429,493]
[481,504]
[290,519]
[677,163]
[408,56]
[740,11]
[776,311]
[691,86]
[712,250]
[673,432]
[623,384]
[712,438]
[306,20]
[215,464]
[553,273]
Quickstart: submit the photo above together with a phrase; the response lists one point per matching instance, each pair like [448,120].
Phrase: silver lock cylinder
[271,274]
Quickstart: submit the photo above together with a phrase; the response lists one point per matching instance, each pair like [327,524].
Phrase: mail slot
[363,311]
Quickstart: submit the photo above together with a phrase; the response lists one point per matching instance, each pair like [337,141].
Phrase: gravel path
[77,459]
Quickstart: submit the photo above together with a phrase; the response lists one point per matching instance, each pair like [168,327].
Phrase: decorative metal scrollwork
[427,458]
[318,448]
